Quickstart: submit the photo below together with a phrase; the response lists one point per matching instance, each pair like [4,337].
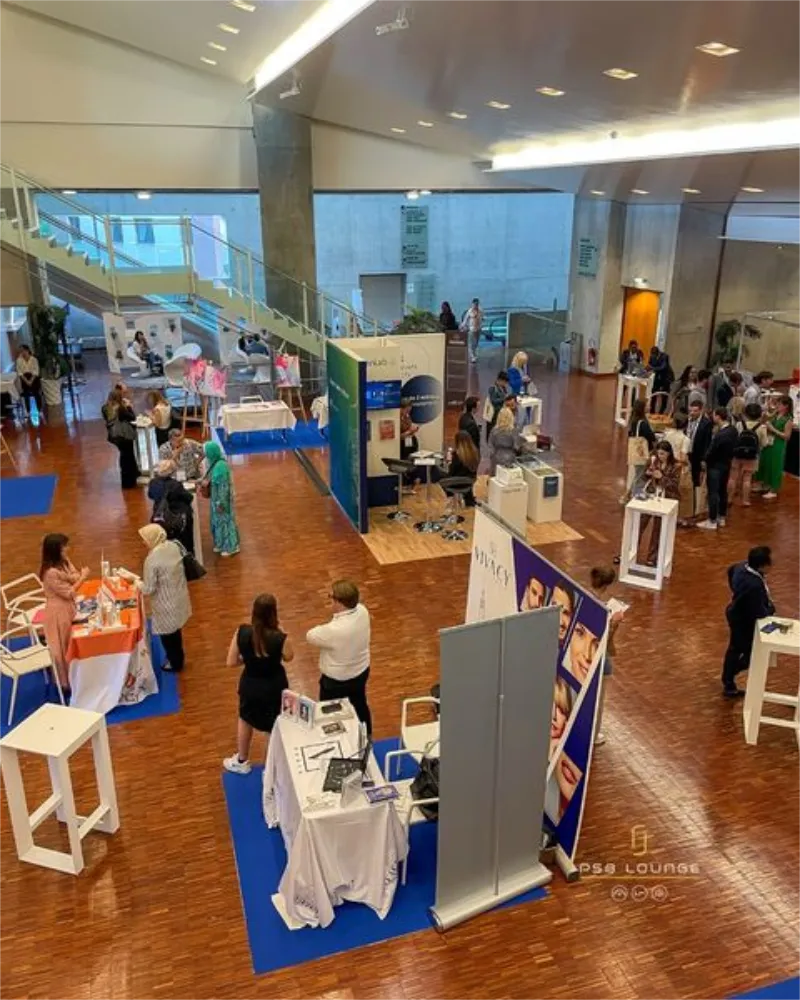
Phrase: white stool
[631,570]
[56,732]
[765,647]
[629,387]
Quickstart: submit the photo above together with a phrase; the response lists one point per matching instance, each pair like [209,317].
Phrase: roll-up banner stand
[347,432]
[422,375]
[507,576]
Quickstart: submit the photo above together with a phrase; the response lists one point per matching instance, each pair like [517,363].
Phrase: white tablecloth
[271,416]
[335,853]
[10,383]
[319,410]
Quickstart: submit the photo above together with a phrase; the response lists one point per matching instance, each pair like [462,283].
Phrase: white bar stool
[631,570]
[766,645]
[56,732]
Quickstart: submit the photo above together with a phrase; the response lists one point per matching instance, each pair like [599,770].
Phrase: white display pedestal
[629,388]
[633,572]
[510,502]
[146,446]
[530,409]
[765,647]
[56,732]
[545,493]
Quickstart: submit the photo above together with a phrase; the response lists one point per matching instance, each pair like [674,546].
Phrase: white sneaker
[473,359]
[722,522]
[708,525]
[769,495]
[600,739]
[235,765]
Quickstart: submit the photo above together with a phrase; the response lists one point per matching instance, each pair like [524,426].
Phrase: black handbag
[426,786]
[192,567]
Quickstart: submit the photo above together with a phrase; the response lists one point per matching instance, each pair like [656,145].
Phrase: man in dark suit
[750,601]
[699,431]
[718,461]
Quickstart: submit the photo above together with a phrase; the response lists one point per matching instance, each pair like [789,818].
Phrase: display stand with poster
[508,576]
[162,331]
[347,431]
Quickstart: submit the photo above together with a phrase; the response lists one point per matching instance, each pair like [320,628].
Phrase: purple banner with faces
[582,629]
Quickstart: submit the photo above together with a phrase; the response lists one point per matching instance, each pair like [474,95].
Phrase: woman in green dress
[224,532]
[771,461]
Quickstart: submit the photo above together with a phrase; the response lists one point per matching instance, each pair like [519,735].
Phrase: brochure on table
[508,576]
[162,330]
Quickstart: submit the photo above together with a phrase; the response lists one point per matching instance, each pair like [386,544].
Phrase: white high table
[531,409]
[629,387]
[631,570]
[335,852]
[146,445]
[766,645]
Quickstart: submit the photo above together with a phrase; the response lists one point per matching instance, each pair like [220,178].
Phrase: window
[144,231]
[74,222]
[117,234]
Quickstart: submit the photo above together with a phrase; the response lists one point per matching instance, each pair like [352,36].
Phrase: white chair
[420,738]
[409,810]
[22,598]
[16,663]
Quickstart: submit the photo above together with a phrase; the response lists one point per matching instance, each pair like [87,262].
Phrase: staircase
[124,281]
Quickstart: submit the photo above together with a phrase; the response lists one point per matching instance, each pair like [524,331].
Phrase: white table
[56,732]
[237,418]
[765,648]
[530,407]
[629,388]
[631,570]
[427,460]
[542,479]
[146,445]
[335,853]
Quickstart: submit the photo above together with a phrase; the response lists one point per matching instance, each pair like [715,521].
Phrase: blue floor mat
[26,496]
[789,989]
[33,691]
[261,860]
[305,435]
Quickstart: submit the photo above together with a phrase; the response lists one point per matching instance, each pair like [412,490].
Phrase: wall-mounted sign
[588,252]
[414,236]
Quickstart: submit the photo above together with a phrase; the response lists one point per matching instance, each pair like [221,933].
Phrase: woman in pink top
[60,580]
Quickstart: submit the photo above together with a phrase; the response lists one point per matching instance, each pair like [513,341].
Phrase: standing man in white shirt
[473,324]
[344,651]
[30,383]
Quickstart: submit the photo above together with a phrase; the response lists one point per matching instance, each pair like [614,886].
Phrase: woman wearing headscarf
[164,581]
[224,532]
[172,505]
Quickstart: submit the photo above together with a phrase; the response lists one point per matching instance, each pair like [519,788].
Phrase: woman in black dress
[263,649]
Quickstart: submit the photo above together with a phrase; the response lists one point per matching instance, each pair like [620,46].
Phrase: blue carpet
[26,496]
[34,691]
[254,442]
[787,990]
[261,860]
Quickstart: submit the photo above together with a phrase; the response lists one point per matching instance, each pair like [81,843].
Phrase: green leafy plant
[417,321]
[726,341]
[46,324]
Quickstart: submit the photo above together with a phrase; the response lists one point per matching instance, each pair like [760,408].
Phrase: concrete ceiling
[457,55]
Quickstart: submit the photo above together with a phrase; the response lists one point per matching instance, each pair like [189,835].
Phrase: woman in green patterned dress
[771,461]
[224,532]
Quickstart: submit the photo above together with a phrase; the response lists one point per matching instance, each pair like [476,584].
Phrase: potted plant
[418,321]
[726,341]
[46,324]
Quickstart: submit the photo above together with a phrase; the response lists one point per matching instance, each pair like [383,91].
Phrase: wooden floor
[157,913]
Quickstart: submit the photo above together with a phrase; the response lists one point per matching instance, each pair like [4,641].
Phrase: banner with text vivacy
[507,576]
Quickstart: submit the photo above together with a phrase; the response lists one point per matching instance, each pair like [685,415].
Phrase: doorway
[640,313]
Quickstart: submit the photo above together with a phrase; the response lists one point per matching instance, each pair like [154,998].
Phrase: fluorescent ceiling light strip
[783,133]
[322,24]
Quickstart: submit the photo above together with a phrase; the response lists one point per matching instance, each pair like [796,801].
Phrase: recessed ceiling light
[412,195]
[690,190]
[399,131]
[458,115]
[718,49]
[498,105]
[143,195]
[69,192]
[207,61]
[752,190]
[228,27]
[425,124]
[620,74]
[639,191]
[218,47]
[425,193]
[549,92]
[243,5]
[598,193]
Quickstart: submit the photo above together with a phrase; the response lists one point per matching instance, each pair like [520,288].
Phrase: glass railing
[175,243]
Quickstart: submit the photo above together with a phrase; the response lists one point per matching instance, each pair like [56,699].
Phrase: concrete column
[283,149]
